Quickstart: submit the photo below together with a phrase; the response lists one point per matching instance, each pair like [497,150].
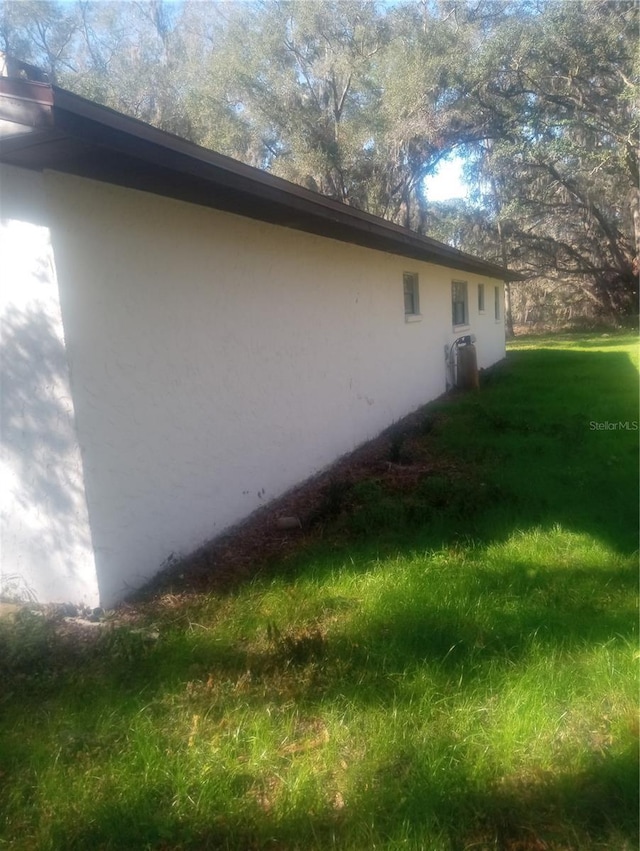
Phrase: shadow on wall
[46,540]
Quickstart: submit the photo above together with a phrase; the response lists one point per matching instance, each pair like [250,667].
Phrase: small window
[459,303]
[497,297]
[411,294]
[480,298]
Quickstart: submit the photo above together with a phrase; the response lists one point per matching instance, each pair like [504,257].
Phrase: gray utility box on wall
[467,377]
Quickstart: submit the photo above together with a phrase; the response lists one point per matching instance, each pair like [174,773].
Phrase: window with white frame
[459,303]
[480,298]
[411,294]
[497,298]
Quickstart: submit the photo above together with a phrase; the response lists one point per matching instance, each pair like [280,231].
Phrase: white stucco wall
[216,361]
[45,543]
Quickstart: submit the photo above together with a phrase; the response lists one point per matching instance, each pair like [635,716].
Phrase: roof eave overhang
[44,127]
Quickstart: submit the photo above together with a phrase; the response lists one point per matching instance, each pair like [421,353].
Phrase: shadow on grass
[600,802]
[423,631]
[523,814]
[551,439]
[486,619]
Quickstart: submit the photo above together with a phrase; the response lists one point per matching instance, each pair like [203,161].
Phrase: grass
[450,665]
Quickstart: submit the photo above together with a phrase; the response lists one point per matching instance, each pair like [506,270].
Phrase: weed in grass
[428,424]
[332,502]
[396,445]
[25,644]
[296,647]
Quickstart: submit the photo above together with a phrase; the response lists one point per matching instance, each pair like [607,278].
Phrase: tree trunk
[508,315]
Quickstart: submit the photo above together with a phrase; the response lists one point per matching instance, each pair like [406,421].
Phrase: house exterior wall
[217,361]
[46,551]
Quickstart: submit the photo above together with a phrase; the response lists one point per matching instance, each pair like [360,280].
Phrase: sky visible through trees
[447,182]
[366,101]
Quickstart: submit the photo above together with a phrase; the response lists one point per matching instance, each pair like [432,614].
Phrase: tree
[559,169]
[39,32]
[360,101]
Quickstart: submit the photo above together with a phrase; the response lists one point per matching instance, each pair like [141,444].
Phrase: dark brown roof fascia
[20,108]
[159,162]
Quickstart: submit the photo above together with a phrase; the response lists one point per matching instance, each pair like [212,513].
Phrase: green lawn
[451,664]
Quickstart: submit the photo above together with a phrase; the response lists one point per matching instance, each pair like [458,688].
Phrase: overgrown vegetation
[449,662]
